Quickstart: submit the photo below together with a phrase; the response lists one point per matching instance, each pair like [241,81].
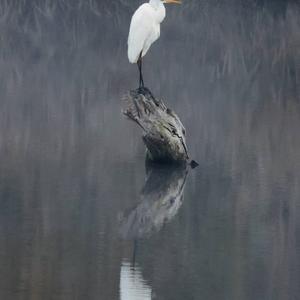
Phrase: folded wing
[140,31]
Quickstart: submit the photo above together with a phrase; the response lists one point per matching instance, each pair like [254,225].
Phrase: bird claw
[145,91]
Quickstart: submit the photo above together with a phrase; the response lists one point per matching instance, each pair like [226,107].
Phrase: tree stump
[163,132]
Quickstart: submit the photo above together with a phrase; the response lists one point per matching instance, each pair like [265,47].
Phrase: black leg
[139,66]
[141,84]
[142,89]
[142,80]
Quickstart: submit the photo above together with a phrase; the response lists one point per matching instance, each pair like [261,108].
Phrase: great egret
[145,30]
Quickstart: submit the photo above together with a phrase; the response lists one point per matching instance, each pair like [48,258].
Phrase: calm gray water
[81,217]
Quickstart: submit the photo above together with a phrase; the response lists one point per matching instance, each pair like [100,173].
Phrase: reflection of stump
[163,132]
[160,198]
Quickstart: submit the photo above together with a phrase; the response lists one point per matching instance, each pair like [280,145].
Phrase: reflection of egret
[132,284]
[161,198]
[145,30]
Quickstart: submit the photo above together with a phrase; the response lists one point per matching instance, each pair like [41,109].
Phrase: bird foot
[145,91]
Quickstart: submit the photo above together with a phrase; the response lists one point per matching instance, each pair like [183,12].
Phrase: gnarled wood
[163,132]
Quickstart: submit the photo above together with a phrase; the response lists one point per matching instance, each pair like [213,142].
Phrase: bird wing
[141,27]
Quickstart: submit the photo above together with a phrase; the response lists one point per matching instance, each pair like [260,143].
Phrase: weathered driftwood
[163,132]
[160,200]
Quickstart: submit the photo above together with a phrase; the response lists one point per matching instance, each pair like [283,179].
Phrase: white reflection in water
[132,284]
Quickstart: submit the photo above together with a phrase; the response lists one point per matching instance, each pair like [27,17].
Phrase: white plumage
[145,29]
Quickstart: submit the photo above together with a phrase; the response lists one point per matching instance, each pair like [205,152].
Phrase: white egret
[145,30]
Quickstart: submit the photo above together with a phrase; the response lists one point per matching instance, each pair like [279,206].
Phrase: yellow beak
[173,1]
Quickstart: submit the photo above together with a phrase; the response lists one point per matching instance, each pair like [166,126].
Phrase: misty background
[72,166]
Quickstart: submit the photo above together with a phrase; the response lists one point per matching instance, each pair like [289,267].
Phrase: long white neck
[159,8]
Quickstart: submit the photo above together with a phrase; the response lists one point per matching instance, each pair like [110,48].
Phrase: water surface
[81,217]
